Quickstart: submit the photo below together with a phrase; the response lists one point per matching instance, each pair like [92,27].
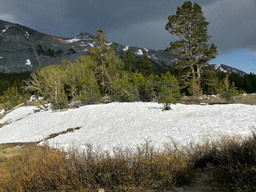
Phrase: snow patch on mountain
[3,31]
[72,40]
[228,69]
[139,52]
[28,63]
[91,44]
[126,48]
[27,34]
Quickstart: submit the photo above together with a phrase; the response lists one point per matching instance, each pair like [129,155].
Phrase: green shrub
[11,98]
[169,90]
[228,91]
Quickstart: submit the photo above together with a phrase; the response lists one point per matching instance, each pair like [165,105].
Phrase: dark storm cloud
[132,22]
[232,24]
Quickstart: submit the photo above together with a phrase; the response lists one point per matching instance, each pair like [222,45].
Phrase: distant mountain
[22,48]
[229,70]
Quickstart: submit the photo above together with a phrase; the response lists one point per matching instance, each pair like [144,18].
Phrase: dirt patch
[197,183]
[62,133]
[9,150]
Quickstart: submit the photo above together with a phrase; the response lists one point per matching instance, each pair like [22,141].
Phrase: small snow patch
[1,57]
[146,49]
[217,66]
[3,31]
[27,35]
[139,52]
[73,40]
[91,44]
[126,48]
[28,63]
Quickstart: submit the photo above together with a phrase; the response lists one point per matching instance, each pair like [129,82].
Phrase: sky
[142,23]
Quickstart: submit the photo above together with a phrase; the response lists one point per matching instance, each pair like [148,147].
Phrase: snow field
[128,124]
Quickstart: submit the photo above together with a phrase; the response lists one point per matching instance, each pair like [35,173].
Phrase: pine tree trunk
[199,80]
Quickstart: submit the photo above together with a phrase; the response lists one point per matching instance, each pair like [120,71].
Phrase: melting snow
[128,124]
[28,62]
[139,52]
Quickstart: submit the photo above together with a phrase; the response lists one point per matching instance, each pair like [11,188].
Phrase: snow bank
[129,124]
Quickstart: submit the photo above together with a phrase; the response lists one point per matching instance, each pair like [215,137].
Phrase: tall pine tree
[192,49]
[129,61]
[98,53]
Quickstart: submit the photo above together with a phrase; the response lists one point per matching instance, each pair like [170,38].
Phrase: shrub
[43,169]
[234,167]
[230,163]
[169,90]
[228,91]
[11,98]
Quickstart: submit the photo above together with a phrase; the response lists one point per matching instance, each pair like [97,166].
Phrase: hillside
[23,48]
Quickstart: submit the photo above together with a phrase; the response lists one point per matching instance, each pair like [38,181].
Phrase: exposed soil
[198,183]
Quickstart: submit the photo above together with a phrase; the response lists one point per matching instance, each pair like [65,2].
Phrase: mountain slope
[229,70]
[23,48]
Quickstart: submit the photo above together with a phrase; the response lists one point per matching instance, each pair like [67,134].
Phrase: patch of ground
[9,150]
[62,133]
[197,183]
[215,99]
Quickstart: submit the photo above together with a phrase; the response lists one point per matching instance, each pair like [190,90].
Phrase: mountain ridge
[22,48]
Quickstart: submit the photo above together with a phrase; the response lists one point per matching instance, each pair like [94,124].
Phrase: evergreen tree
[53,85]
[78,73]
[113,69]
[228,91]
[169,90]
[90,92]
[129,61]
[35,83]
[147,87]
[193,52]
[11,98]
[145,66]
[98,53]
[123,89]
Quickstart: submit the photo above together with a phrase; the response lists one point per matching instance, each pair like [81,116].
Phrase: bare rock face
[23,48]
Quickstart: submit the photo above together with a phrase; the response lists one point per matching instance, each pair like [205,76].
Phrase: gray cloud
[139,23]
[232,24]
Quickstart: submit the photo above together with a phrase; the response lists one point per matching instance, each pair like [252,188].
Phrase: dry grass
[233,165]
[215,99]
[229,164]
[44,169]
